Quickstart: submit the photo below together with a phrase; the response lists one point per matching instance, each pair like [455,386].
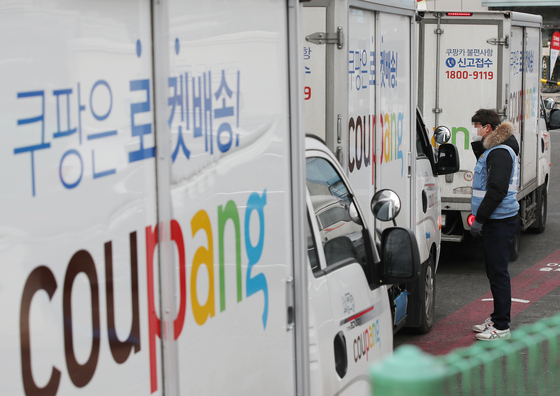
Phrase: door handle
[340,355]
[424,201]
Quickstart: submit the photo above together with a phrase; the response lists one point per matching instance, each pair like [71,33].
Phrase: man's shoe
[481,327]
[493,334]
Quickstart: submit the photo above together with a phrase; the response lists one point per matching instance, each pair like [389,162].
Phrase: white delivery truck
[153,211]
[486,59]
[360,97]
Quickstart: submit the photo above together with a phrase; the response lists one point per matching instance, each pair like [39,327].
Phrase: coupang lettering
[365,341]
[82,262]
[360,131]
[362,73]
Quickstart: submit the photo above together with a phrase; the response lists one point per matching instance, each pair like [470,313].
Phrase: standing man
[495,207]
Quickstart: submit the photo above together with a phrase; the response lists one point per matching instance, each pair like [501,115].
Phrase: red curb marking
[455,330]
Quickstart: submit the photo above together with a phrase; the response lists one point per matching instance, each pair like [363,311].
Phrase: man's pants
[498,238]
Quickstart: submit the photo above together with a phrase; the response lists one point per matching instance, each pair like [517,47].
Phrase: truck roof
[406,4]
[517,18]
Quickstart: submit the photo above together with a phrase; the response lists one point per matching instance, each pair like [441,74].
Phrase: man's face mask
[475,133]
[475,136]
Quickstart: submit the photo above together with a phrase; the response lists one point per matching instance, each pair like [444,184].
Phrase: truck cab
[352,307]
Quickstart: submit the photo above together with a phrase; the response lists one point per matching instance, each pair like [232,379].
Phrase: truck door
[229,118]
[525,83]
[395,121]
[361,320]
[468,80]
[428,204]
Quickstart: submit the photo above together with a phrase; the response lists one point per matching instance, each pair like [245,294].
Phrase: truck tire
[516,245]
[427,292]
[541,210]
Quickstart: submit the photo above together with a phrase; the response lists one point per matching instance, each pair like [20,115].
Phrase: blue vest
[509,206]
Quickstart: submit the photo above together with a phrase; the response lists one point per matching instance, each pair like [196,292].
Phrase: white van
[486,59]
[360,97]
[153,211]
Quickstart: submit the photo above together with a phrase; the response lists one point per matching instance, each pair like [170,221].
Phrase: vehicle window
[419,147]
[333,215]
[422,145]
[311,247]
[342,238]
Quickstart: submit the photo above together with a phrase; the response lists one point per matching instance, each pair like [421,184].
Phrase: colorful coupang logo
[360,136]
[82,262]
[365,341]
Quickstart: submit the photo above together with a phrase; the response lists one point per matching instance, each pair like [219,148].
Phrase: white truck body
[152,232]
[485,59]
[360,97]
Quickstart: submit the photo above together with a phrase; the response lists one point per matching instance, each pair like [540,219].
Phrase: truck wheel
[516,245]
[427,289]
[541,211]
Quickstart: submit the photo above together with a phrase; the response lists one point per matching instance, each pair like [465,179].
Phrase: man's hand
[476,229]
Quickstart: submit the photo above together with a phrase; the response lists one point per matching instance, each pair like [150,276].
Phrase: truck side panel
[78,202]
[231,196]
[81,264]
[468,81]
[396,119]
[379,118]
[525,43]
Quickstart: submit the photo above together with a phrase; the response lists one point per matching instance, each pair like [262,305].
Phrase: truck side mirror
[400,257]
[448,159]
[442,135]
[385,205]
[549,103]
[554,122]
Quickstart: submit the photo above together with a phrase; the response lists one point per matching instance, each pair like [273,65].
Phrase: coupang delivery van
[473,60]
[360,97]
[165,227]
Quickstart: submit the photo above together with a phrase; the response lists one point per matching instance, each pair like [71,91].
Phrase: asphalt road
[462,288]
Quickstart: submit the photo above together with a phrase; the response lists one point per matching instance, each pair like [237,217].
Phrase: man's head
[485,121]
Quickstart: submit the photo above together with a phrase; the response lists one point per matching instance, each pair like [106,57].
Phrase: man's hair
[486,116]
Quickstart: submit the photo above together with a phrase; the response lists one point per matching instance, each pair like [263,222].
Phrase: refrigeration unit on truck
[490,59]
[360,97]
[165,228]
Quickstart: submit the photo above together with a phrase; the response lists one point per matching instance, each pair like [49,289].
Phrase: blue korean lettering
[180,145]
[104,134]
[177,98]
[363,67]
[383,67]
[81,108]
[66,154]
[208,113]
[197,107]
[394,64]
[95,115]
[187,100]
[224,112]
[140,130]
[24,121]
[68,131]
[372,68]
